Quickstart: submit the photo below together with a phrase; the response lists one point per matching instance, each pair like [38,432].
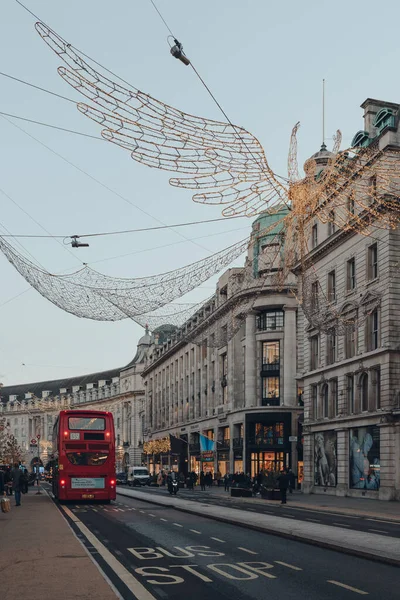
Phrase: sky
[263,60]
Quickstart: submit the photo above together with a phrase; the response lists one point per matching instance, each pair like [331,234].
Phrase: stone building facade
[351,375]
[243,394]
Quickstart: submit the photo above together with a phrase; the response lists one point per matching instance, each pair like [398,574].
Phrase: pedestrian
[160,479]
[227,481]
[218,477]
[208,479]
[283,482]
[202,481]
[1,482]
[292,481]
[16,476]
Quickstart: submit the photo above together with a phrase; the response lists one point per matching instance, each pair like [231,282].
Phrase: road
[148,551]
[358,523]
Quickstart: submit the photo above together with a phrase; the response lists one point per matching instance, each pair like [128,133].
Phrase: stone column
[342,457]
[308,458]
[387,460]
[250,384]
[289,396]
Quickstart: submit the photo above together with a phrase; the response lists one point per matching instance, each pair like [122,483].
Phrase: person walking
[218,477]
[227,481]
[202,481]
[16,477]
[283,482]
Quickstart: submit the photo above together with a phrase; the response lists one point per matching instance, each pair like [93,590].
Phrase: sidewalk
[363,507]
[357,543]
[40,554]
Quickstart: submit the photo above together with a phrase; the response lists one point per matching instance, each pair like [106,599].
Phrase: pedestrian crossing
[111,508]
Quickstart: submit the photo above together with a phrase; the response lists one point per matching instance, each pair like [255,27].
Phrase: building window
[314,352]
[372,271]
[314,401]
[351,205]
[331,223]
[314,236]
[270,356]
[325,400]
[314,295]
[351,274]
[332,286]
[372,330]
[270,391]
[350,341]
[364,392]
[270,320]
[350,393]
[331,347]
[376,386]
[335,397]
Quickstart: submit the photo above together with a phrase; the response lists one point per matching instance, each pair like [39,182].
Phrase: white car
[138,476]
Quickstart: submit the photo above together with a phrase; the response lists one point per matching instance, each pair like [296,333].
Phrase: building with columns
[241,392]
[31,409]
[351,371]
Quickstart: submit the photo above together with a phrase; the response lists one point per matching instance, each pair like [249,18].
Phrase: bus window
[91,424]
[92,459]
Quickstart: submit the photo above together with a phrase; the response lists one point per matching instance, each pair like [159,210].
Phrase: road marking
[314,520]
[218,540]
[127,578]
[341,524]
[289,516]
[177,525]
[163,519]
[95,510]
[279,562]
[379,531]
[142,511]
[348,587]
[246,550]
[194,531]
[151,515]
[380,521]
[267,512]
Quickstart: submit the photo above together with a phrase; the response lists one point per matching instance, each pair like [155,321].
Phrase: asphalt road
[359,523]
[179,556]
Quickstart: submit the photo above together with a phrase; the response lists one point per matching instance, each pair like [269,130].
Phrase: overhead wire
[37,87]
[35,122]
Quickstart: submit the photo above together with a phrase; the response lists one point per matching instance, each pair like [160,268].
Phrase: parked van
[138,476]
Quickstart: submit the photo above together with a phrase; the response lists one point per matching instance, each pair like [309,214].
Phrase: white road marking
[279,562]
[95,510]
[347,587]
[217,540]
[289,516]
[378,531]
[163,519]
[194,531]
[380,521]
[341,524]
[151,515]
[314,520]
[142,511]
[267,512]
[246,550]
[127,578]
[177,525]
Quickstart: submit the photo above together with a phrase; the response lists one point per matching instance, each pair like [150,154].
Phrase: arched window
[364,392]
[325,400]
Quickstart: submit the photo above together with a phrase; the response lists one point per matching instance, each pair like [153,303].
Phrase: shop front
[267,442]
[223,462]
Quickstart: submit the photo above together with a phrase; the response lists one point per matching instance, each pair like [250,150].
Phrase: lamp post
[38,465]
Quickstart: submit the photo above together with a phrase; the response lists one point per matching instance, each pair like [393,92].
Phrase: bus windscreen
[86,423]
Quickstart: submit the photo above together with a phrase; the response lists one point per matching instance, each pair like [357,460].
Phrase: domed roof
[145,340]
[318,160]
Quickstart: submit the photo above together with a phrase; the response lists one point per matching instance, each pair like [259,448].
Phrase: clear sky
[264,61]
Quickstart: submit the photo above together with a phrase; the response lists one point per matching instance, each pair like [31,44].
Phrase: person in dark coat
[283,482]
[202,481]
[16,476]
[292,480]
[227,481]
[24,481]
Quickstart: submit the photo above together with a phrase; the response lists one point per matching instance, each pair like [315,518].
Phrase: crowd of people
[14,480]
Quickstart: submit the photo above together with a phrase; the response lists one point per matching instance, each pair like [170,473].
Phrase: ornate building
[350,341]
[237,384]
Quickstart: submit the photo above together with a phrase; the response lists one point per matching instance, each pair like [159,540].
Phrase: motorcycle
[173,487]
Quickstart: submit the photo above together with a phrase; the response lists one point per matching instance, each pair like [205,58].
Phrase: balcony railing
[238,442]
[256,440]
[271,366]
[270,401]
[224,445]
[194,447]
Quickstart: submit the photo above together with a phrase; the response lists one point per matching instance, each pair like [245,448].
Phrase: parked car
[121,478]
[138,476]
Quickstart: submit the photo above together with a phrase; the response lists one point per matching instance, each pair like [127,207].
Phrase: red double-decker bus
[84,456]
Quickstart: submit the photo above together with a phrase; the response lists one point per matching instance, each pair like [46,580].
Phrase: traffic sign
[33,442]
[38,436]
[292,438]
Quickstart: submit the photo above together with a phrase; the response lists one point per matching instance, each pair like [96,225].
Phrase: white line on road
[380,521]
[379,531]
[217,540]
[246,550]
[164,520]
[194,531]
[279,562]
[151,515]
[177,525]
[314,520]
[127,578]
[142,511]
[289,516]
[267,512]
[341,524]
[348,587]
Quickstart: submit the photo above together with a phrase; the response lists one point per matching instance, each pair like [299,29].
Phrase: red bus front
[84,456]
